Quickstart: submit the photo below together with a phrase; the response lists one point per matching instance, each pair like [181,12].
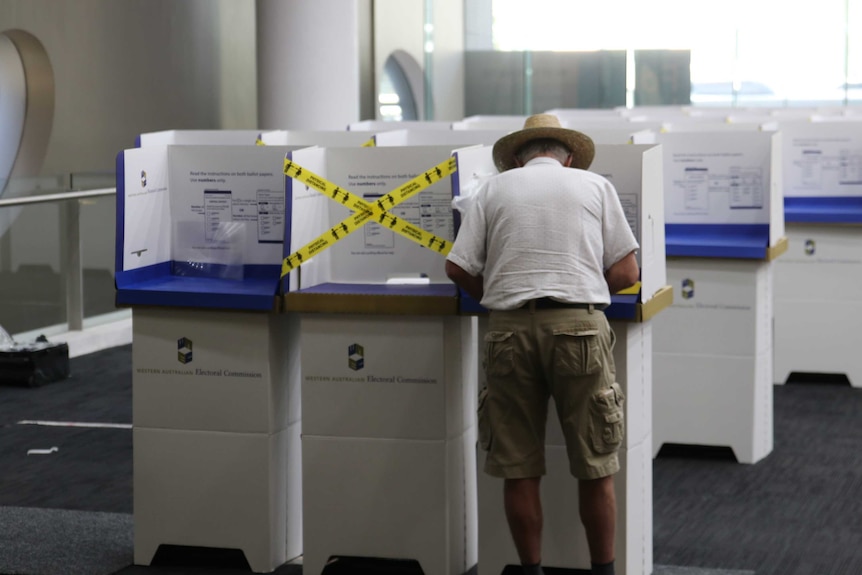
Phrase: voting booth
[216,425]
[388,398]
[305,138]
[713,347]
[636,173]
[817,295]
[197,138]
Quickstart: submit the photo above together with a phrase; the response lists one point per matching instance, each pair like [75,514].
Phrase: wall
[123,68]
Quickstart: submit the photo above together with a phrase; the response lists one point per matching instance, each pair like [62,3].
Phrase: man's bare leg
[598,510]
[523,504]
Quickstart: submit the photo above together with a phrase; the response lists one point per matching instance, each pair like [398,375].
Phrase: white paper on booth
[717,177]
[216,188]
[822,159]
[147,211]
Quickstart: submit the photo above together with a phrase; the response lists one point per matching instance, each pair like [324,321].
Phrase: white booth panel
[396,499]
[217,489]
[818,301]
[215,370]
[714,400]
[720,306]
[384,376]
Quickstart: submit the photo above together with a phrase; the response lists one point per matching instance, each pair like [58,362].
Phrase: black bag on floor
[34,364]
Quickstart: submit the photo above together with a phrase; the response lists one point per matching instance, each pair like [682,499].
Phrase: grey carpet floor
[60,542]
[797,512]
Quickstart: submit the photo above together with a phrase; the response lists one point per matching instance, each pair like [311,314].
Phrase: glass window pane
[742,52]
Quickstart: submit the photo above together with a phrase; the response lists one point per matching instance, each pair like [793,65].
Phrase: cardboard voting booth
[452,138]
[387,365]
[713,347]
[503,123]
[636,172]
[304,138]
[197,138]
[383,125]
[216,426]
[817,299]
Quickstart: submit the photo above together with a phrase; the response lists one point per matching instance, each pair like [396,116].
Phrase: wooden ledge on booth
[779,248]
[660,300]
[374,299]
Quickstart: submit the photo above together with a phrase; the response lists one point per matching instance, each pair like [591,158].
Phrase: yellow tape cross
[365,211]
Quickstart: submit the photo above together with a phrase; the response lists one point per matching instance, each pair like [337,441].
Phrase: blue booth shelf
[827,210]
[741,241]
[156,285]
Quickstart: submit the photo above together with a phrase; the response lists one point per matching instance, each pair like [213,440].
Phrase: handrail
[48,198]
[70,248]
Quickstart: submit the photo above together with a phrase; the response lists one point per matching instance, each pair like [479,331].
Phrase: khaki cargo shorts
[532,356]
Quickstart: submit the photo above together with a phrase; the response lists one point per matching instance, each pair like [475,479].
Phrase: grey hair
[542,146]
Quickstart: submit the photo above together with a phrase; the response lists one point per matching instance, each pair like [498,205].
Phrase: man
[543,246]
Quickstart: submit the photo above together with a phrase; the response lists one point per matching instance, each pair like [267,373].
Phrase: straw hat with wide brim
[544,126]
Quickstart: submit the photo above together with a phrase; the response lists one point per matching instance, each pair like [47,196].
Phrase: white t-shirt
[543,230]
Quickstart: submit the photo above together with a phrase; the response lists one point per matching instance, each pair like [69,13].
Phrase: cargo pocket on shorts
[576,349]
[607,424]
[499,356]
[484,425]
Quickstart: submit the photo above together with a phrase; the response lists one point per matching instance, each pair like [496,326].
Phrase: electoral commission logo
[184,350]
[355,356]
[687,288]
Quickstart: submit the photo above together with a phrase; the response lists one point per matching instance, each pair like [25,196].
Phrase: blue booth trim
[832,210]
[744,241]
[157,285]
[120,235]
[456,191]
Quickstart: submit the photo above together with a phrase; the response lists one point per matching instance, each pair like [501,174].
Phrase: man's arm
[473,285]
[625,273]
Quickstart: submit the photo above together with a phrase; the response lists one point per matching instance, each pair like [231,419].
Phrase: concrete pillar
[313,64]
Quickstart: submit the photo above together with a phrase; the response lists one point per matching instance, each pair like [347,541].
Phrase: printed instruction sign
[717,178]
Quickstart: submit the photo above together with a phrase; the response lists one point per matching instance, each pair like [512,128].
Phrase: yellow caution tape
[366,211]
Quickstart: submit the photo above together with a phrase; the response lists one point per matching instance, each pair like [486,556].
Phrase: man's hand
[473,285]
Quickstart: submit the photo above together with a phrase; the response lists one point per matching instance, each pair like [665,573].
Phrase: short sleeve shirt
[543,230]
